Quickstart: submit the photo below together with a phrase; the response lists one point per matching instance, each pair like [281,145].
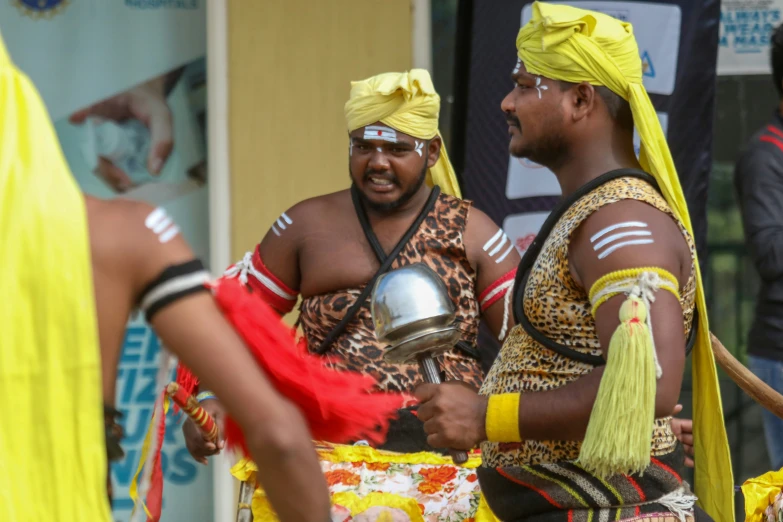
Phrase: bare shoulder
[628,234]
[296,222]
[134,239]
[313,210]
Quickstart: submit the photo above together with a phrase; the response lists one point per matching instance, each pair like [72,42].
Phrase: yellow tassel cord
[619,434]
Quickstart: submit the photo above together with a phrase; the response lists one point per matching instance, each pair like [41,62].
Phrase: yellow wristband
[503,418]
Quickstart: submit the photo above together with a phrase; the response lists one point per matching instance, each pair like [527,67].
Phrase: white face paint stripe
[617,246]
[608,229]
[286,218]
[493,239]
[540,87]
[280,224]
[376,132]
[517,66]
[498,246]
[620,235]
[379,149]
[169,234]
[419,147]
[275,231]
[506,253]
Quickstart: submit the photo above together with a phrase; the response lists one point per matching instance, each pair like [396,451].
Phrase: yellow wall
[290,67]
[290,63]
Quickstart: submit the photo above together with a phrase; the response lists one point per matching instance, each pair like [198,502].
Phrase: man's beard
[392,205]
[550,151]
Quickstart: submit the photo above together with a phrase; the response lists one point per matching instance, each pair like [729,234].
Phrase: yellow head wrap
[52,439]
[574,45]
[408,103]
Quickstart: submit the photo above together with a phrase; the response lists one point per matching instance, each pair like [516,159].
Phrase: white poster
[745,30]
[125,83]
[521,229]
[657,31]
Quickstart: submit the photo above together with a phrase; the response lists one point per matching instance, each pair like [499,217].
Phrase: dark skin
[571,131]
[324,250]
[276,433]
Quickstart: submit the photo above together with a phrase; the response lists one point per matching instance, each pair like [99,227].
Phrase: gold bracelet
[503,418]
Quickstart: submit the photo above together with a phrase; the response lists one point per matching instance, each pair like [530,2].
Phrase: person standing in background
[758,180]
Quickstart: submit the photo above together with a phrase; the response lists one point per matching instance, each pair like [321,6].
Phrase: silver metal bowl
[410,302]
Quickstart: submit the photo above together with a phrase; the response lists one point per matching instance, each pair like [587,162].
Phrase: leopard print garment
[560,309]
[439,244]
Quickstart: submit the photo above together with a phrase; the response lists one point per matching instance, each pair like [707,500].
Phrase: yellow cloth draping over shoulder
[52,447]
[574,45]
[408,103]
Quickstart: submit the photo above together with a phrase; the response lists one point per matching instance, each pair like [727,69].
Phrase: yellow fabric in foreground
[574,45]
[246,470]
[760,493]
[52,448]
[408,103]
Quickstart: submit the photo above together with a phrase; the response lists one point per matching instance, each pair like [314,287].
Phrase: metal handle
[431,374]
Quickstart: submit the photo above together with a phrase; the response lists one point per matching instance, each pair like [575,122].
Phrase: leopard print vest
[560,309]
[438,243]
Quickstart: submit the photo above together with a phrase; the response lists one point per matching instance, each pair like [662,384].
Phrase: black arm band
[175,282]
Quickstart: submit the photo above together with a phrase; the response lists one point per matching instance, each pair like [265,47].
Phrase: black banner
[678,44]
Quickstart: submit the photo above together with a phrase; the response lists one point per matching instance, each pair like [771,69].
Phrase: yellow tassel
[619,434]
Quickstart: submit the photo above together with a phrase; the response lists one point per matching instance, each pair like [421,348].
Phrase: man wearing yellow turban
[403,207]
[574,416]
[61,254]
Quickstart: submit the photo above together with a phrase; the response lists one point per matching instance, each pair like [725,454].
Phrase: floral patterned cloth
[368,485]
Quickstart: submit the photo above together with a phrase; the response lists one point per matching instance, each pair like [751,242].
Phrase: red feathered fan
[339,406]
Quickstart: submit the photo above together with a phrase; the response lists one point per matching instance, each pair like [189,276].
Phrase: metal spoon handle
[430,370]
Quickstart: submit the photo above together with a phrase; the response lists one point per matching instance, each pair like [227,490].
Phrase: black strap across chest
[386,261]
[531,255]
[369,233]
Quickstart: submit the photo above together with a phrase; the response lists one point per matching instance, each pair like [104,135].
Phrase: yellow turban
[408,103]
[52,439]
[574,45]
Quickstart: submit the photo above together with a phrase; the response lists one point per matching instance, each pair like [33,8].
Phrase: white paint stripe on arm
[162,225]
[610,228]
[505,254]
[169,234]
[498,246]
[622,244]
[620,235]
[154,217]
[493,239]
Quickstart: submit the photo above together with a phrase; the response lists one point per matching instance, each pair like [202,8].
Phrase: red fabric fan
[339,406]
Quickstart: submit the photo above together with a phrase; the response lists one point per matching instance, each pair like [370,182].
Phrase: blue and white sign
[745,30]
[130,72]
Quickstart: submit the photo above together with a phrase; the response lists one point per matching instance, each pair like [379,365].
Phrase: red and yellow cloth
[370,484]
